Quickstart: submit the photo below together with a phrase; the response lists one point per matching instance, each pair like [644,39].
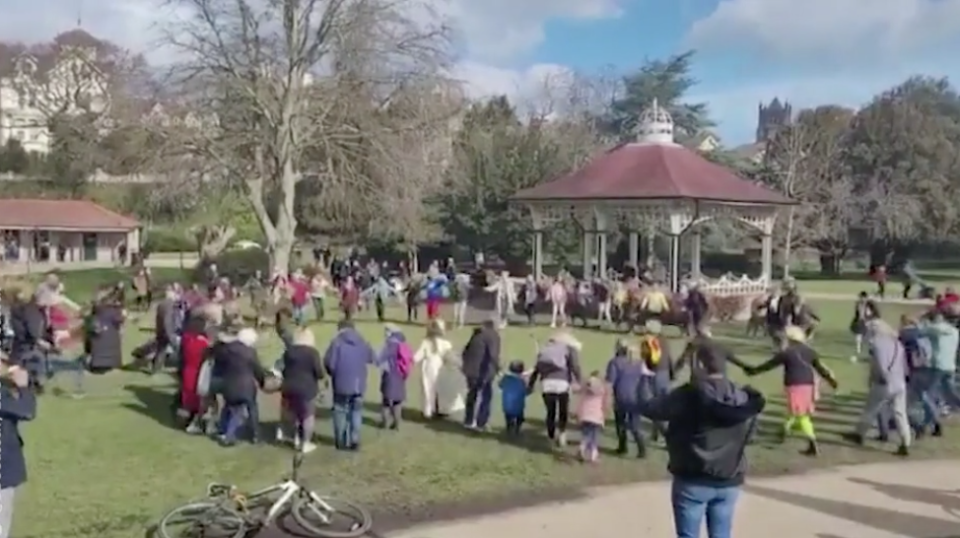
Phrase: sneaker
[297,442]
[194,429]
[308,447]
[281,438]
[562,439]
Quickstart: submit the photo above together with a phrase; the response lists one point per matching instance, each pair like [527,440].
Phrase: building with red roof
[65,231]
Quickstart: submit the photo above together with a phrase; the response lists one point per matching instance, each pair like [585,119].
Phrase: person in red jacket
[349,297]
[879,275]
[193,352]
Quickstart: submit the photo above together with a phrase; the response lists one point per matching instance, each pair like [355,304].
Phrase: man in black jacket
[32,340]
[481,364]
[710,424]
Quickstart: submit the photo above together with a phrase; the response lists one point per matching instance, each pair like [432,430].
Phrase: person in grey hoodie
[888,384]
[557,369]
[346,361]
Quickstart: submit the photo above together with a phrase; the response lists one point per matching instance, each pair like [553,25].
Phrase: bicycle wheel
[329,517]
[202,519]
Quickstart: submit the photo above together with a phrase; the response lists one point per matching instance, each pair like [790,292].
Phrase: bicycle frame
[288,489]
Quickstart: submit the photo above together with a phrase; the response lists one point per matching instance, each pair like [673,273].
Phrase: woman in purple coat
[395,362]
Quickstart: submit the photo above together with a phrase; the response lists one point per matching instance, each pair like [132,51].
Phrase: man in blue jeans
[710,423]
[481,364]
[346,361]
[944,340]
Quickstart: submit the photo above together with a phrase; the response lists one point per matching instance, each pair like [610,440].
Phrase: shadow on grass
[156,404]
[527,439]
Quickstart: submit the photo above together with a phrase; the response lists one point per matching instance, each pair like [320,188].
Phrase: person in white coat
[442,383]
[505,296]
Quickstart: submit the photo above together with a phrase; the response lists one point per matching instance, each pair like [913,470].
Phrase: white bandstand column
[634,249]
[601,245]
[588,243]
[766,257]
[537,253]
[695,241]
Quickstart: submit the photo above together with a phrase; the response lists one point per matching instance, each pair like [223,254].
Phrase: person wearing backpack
[395,362]
[557,369]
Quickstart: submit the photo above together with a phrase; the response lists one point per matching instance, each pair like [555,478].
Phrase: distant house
[753,152]
[704,141]
[64,231]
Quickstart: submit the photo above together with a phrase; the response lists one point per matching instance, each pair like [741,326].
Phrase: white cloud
[828,30]
[530,87]
[502,29]
[495,34]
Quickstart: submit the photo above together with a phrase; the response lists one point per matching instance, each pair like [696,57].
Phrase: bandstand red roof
[652,171]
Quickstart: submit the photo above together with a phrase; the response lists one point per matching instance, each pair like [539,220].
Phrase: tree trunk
[788,246]
[280,257]
[829,264]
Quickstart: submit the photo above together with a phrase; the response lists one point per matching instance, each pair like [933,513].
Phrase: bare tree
[70,91]
[293,92]
[805,162]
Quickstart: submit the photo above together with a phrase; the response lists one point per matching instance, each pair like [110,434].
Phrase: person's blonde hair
[633,352]
[304,337]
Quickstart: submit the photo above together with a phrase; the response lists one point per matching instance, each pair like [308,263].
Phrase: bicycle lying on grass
[229,513]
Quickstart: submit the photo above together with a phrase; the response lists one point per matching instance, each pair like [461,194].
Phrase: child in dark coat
[513,397]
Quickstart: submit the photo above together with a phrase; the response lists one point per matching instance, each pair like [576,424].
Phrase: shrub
[168,240]
[237,265]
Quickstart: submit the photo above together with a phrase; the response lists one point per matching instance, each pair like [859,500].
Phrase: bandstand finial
[655,125]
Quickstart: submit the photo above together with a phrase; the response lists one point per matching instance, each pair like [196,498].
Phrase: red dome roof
[645,171]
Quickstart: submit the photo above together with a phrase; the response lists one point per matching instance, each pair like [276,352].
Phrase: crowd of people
[705,422]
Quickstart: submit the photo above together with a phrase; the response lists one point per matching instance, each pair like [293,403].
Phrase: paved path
[187,262]
[853,296]
[904,499]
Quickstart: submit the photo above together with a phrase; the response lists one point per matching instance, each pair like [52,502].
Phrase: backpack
[404,359]
[554,356]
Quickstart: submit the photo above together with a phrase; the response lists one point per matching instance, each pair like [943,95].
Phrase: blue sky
[810,52]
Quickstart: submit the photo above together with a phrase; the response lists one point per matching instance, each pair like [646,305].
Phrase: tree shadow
[946,499]
[158,405]
[891,521]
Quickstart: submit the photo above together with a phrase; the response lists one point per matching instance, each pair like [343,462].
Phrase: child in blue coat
[513,397]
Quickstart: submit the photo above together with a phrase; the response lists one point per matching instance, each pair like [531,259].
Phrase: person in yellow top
[654,303]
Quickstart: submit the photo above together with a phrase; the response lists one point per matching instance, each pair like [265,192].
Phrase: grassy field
[110,464]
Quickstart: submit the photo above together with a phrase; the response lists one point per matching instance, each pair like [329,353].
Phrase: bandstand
[652,185]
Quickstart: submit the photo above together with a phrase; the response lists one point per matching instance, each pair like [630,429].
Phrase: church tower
[771,118]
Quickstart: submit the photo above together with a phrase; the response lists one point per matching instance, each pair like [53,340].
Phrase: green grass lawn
[108,465]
